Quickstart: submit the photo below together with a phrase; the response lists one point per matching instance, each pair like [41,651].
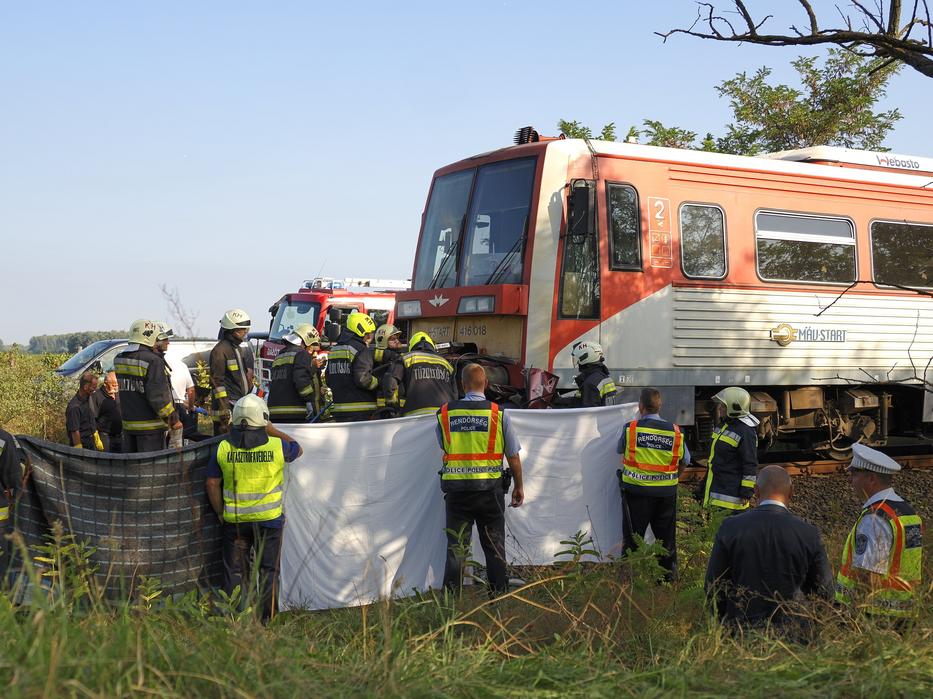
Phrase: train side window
[703,241]
[805,248]
[624,227]
[902,253]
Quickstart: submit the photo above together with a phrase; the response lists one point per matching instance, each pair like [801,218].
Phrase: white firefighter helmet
[165,332]
[360,323]
[736,399]
[235,319]
[250,411]
[584,353]
[304,333]
[144,332]
[384,333]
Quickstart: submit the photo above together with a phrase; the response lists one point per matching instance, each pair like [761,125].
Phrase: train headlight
[408,309]
[477,304]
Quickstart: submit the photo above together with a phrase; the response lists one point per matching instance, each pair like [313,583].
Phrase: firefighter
[595,387]
[352,385]
[145,392]
[882,557]
[653,455]
[426,378]
[733,455]
[176,371]
[296,392]
[376,359]
[475,434]
[231,367]
[245,486]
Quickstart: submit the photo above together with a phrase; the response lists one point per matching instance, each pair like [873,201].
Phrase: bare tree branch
[177,310]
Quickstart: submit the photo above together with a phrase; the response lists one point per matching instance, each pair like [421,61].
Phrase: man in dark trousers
[767,561]
[245,486]
[350,381]
[425,377]
[475,434]
[296,392]
[733,454]
[231,368]
[105,405]
[653,455]
[79,417]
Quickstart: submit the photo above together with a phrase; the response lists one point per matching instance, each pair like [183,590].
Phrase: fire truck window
[793,247]
[379,316]
[579,279]
[624,227]
[292,314]
[497,223]
[437,260]
[702,241]
[902,253]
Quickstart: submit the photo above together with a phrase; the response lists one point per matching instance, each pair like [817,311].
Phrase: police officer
[595,388]
[426,378]
[295,392]
[653,454]
[475,434]
[245,484]
[231,367]
[145,392]
[882,557]
[380,355]
[733,456]
[352,383]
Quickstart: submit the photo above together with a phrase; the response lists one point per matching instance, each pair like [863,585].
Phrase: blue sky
[233,149]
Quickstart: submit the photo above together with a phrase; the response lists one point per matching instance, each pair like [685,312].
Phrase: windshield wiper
[450,251]
[519,242]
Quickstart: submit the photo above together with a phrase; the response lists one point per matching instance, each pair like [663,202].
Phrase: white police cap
[868,459]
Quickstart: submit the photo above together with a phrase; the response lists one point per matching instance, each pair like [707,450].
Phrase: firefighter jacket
[374,361]
[145,391]
[253,480]
[426,378]
[229,364]
[651,460]
[732,467]
[474,443]
[596,388]
[353,386]
[296,383]
[899,583]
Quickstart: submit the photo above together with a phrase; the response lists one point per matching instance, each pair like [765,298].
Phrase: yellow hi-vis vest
[473,444]
[652,454]
[895,597]
[253,481]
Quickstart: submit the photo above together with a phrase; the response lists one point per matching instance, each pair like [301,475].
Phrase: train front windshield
[476,227]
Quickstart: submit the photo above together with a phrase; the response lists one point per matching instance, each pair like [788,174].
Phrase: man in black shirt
[79,418]
[105,405]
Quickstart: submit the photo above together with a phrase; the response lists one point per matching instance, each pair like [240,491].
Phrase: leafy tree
[880,30]
[574,129]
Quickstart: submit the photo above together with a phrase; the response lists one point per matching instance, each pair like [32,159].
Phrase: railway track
[914,457]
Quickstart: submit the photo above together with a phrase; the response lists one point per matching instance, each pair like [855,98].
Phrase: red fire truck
[804,276]
[325,303]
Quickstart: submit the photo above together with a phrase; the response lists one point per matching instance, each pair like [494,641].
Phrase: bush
[32,396]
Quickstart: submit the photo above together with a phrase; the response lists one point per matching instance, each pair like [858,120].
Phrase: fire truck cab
[325,303]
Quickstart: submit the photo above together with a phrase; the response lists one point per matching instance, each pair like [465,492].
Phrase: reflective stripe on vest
[896,590]
[253,480]
[426,358]
[654,461]
[606,387]
[473,442]
[724,500]
[144,425]
[4,514]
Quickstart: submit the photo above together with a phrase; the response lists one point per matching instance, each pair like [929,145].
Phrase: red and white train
[804,276]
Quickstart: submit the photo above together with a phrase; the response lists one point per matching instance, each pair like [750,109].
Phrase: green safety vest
[473,443]
[895,596]
[253,481]
[653,451]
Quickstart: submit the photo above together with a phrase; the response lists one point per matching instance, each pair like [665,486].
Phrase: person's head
[473,378]
[362,325]
[774,483]
[163,337]
[87,383]
[305,336]
[585,353]
[388,337]
[870,471]
[649,402]
[235,324]
[144,332]
[111,385]
[421,341]
[736,401]
[250,412]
